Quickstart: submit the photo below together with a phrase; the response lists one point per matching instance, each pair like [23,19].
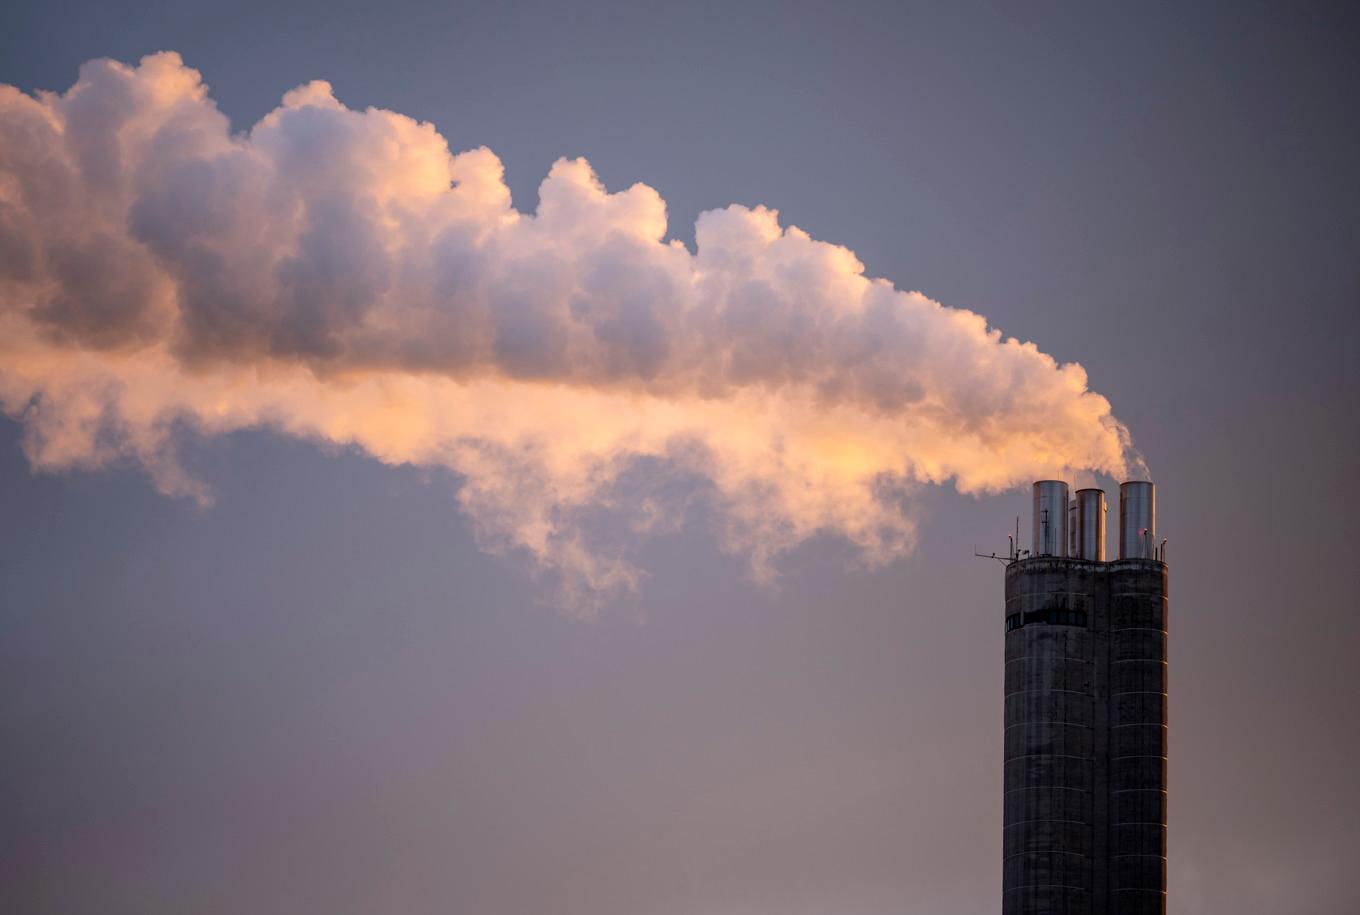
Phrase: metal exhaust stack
[1090,525]
[1137,520]
[1050,518]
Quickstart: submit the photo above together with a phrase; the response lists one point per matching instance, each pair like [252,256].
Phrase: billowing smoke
[339,276]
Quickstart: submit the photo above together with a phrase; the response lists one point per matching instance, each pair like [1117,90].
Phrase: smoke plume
[340,276]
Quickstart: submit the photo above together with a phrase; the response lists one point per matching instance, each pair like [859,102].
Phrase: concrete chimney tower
[1085,742]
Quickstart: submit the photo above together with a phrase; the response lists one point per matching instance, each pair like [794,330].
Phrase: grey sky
[319,696]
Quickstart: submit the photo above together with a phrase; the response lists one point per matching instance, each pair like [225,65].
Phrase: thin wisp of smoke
[340,276]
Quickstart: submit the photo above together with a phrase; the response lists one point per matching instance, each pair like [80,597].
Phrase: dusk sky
[515,458]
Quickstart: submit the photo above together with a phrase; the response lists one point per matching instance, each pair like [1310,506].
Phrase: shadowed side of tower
[1138,738]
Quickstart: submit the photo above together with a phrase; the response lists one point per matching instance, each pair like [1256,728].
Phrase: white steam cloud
[339,276]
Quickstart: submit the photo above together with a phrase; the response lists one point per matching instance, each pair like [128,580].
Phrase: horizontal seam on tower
[1077,692]
[1052,788]
[1046,851]
[1051,755]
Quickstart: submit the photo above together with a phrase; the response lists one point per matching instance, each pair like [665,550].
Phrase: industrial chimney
[1137,520]
[1089,535]
[1050,518]
[1085,741]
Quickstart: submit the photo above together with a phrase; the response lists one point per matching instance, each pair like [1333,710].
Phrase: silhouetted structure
[1085,743]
